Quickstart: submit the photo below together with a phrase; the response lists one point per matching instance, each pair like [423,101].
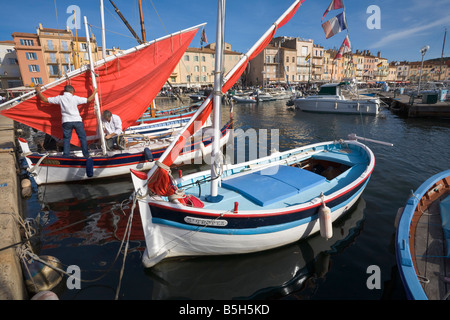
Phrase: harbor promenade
[11,279]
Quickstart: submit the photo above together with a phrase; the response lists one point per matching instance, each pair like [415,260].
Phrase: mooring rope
[27,255]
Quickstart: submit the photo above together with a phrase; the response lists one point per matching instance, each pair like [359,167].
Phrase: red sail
[158,180]
[127,86]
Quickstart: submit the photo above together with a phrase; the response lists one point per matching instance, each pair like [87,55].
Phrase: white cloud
[406,34]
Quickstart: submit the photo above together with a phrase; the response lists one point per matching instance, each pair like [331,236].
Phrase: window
[203,58]
[293,59]
[52,57]
[9,50]
[203,69]
[204,78]
[287,59]
[83,46]
[66,58]
[50,44]
[304,51]
[54,70]
[33,68]
[188,78]
[196,69]
[26,42]
[31,56]
[186,58]
[197,78]
[65,46]
[12,61]
[36,80]
[195,58]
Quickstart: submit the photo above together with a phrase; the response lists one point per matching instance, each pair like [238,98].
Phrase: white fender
[326,227]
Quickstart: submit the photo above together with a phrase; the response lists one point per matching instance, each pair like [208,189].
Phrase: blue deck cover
[445,219]
[273,184]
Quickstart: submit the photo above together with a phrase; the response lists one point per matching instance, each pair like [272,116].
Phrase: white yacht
[330,99]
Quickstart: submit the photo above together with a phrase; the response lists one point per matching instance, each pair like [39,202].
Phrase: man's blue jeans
[67,135]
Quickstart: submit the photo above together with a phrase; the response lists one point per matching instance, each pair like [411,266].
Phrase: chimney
[379,54]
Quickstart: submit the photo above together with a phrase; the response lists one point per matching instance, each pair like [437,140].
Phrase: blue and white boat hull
[237,225]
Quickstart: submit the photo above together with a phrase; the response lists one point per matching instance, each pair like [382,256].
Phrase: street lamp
[422,51]
[397,63]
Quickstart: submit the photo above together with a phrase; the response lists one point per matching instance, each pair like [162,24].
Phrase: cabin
[330,89]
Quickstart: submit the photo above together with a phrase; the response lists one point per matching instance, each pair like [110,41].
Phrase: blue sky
[405,25]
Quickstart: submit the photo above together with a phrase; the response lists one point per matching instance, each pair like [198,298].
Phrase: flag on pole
[335,25]
[308,57]
[203,37]
[334,5]
[379,65]
[345,47]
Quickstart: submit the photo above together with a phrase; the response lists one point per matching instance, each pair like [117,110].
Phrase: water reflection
[92,213]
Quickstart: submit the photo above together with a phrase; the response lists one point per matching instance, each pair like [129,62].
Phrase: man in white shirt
[112,128]
[71,118]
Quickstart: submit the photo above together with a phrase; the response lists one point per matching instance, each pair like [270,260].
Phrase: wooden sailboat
[122,81]
[252,206]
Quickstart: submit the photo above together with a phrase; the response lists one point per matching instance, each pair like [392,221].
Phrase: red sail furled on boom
[158,177]
[127,86]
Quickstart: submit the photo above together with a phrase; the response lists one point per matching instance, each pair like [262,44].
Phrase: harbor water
[83,224]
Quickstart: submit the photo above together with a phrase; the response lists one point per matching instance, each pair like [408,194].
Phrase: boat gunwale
[119,154]
[315,202]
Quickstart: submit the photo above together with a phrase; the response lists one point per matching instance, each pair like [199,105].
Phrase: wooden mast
[94,86]
[142,22]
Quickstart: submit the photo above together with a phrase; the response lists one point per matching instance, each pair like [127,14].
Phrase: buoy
[45,295]
[326,227]
[25,183]
[26,192]
[26,188]
[89,167]
[148,154]
[43,277]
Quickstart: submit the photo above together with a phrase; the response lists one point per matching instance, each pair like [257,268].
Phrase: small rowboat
[423,240]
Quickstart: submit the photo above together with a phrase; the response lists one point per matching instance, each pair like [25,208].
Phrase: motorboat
[330,99]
